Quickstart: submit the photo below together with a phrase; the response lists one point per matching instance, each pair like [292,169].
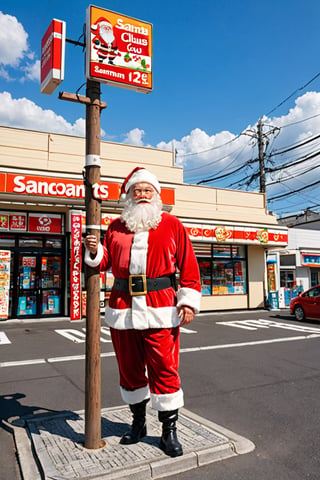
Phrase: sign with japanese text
[118,50]
[18,222]
[53,56]
[5,256]
[75,266]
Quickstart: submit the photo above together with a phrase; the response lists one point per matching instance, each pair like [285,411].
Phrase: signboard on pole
[118,50]
[75,266]
[53,56]
[5,256]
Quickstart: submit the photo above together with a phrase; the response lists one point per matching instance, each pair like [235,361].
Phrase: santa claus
[104,41]
[144,248]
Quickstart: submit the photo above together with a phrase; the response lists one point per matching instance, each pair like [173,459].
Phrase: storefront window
[6,241]
[287,278]
[222,269]
[53,243]
[30,242]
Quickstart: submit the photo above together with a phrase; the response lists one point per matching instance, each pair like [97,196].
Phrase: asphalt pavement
[51,445]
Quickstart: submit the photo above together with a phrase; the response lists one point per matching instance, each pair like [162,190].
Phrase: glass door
[28,294]
[50,285]
[39,285]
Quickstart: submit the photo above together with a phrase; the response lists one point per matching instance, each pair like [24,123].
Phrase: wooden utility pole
[262,140]
[261,157]
[92,277]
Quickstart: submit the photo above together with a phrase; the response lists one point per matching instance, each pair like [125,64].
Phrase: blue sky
[218,67]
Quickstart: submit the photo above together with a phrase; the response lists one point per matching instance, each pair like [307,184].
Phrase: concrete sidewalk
[50,446]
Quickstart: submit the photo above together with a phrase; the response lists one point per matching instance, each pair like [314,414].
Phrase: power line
[272,199]
[294,93]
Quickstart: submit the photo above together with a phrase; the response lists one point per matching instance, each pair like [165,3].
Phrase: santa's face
[106,32]
[142,210]
[142,192]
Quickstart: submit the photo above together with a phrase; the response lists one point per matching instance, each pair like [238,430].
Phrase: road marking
[261,323]
[187,330]
[76,336]
[19,363]
[40,361]
[249,344]
[4,340]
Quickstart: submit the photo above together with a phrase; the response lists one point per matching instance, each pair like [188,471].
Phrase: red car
[307,304]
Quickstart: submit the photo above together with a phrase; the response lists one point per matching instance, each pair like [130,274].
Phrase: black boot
[169,442]
[138,428]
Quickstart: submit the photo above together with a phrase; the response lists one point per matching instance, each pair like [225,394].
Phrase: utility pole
[92,277]
[261,157]
[260,136]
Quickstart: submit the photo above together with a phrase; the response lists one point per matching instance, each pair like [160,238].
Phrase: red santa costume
[145,327]
[104,41]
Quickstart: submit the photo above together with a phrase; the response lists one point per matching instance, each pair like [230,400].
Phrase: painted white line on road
[183,350]
[261,323]
[4,340]
[187,330]
[20,363]
[66,359]
[249,344]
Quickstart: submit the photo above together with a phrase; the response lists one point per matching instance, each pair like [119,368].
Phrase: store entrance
[37,285]
[315,276]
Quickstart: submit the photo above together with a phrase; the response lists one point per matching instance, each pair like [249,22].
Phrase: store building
[42,219]
[299,263]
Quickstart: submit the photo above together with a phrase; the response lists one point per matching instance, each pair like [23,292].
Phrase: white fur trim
[161,317]
[143,176]
[136,396]
[94,262]
[189,297]
[168,401]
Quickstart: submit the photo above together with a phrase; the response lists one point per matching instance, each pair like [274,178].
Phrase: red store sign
[75,273]
[36,185]
[44,223]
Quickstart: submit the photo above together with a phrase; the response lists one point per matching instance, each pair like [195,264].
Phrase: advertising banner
[5,256]
[75,273]
[118,50]
[53,56]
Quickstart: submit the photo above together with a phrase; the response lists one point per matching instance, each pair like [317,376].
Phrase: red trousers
[148,358]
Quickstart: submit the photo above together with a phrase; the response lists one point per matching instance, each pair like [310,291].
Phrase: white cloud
[15,53]
[24,113]
[13,40]
[134,137]
[32,71]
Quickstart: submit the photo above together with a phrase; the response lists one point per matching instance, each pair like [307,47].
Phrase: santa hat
[139,175]
[101,21]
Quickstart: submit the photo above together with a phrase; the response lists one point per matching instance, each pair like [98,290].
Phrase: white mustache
[143,200]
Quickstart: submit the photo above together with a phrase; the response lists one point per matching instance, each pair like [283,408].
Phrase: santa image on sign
[104,41]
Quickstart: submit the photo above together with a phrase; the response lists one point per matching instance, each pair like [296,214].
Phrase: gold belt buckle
[132,284]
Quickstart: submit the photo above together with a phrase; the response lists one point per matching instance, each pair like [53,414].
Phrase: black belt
[140,284]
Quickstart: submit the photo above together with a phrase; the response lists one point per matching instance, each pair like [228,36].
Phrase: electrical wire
[294,93]
[276,197]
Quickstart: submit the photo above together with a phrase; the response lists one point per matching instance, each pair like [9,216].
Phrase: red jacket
[156,253]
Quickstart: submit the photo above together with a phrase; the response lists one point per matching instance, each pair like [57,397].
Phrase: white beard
[141,217]
[107,36]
